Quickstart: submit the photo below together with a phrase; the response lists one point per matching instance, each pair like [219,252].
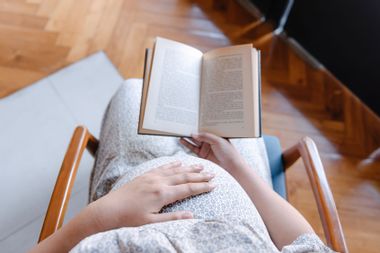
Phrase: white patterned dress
[225,220]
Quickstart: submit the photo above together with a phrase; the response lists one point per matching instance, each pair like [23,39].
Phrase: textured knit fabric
[225,220]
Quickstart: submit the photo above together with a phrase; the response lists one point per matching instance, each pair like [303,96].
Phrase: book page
[172,103]
[227,93]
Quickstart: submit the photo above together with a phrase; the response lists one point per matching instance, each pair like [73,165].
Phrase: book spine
[259,88]
[140,124]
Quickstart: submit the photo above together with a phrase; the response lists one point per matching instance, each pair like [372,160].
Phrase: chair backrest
[274,152]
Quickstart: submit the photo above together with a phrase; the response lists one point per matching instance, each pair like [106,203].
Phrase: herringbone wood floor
[38,37]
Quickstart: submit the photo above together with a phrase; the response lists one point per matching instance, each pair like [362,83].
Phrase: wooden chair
[278,160]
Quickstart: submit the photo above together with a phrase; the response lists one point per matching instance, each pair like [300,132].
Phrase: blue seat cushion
[274,152]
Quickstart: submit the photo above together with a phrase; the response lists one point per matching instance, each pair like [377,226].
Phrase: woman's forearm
[64,239]
[282,220]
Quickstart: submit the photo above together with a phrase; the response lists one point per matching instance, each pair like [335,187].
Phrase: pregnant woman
[158,194]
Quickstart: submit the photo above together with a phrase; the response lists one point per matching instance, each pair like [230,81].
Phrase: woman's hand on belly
[140,201]
[136,203]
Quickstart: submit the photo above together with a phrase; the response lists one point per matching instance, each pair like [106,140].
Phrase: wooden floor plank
[46,8]
[13,79]
[105,27]
[18,6]
[23,20]
[59,15]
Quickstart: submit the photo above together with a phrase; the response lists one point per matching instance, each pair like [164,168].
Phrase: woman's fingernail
[212,185]
[197,166]
[209,174]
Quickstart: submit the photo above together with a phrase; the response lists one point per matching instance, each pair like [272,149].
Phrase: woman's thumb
[206,137]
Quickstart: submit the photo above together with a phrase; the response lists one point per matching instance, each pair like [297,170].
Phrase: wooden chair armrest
[56,211]
[307,149]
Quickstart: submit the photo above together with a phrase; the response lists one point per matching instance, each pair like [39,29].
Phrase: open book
[186,91]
